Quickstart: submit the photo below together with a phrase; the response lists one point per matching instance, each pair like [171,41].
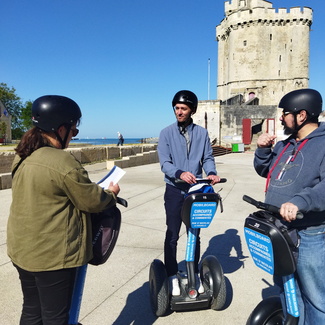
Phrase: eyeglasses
[74,132]
[286,113]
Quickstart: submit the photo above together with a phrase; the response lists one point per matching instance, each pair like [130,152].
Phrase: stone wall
[208,116]
[6,159]
[232,117]
[127,156]
[224,122]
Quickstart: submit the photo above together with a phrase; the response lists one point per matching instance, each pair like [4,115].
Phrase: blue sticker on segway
[191,243]
[261,250]
[291,295]
[202,214]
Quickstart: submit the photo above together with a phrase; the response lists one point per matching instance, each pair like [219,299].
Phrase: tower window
[245,43]
[270,37]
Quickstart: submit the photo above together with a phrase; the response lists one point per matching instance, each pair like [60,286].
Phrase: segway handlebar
[202,180]
[267,207]
[121,201]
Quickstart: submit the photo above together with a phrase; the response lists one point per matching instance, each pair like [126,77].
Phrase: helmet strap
[297,128]
[64,141]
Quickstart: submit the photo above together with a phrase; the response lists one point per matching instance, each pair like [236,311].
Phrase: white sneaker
[199,284]
[174,284]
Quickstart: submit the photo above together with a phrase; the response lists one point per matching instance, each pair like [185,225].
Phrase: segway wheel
[267,312]
[159,288]
[214,281]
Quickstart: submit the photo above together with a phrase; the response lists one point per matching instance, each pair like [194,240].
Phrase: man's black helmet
[186,97]
[309,100]
[51,111]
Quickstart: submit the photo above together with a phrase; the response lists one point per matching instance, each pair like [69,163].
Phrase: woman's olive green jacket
[49,226]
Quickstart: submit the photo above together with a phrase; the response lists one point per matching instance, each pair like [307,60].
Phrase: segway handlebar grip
[121,201]
[267,207]
[299,215]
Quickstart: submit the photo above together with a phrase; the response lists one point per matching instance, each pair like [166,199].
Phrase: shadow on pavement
[221,246]
[137,310]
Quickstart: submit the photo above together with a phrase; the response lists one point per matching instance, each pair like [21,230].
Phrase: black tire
[159,288]
[214,281]
[267,312]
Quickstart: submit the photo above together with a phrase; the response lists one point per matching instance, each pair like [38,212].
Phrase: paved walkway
[118,291]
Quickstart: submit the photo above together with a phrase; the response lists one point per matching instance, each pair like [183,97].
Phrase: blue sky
[122,61]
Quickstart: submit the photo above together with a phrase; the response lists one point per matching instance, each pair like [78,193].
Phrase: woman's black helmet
[51,111]
[186,97]
[309,100]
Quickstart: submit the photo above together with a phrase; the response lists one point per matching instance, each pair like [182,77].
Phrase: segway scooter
[274,249]
[197,212]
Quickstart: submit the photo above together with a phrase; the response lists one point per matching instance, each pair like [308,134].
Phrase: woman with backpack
[49,227]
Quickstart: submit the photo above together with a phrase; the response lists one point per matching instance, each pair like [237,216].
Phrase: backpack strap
[15,169]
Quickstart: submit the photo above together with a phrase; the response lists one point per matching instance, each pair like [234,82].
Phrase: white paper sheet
[115,174]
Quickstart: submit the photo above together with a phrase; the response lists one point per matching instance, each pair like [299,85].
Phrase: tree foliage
[26,116]
[3,129]
[20,112]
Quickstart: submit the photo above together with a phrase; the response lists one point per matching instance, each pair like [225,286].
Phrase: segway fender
[269,309]
[211,262]
[213,277]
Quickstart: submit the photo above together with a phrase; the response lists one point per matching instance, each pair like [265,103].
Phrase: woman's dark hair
[32,140]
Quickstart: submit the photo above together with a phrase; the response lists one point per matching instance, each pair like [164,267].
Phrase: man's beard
[287,130]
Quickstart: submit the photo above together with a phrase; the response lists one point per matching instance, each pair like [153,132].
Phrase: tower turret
[262,51]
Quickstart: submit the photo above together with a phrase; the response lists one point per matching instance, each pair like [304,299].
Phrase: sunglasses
[74,132]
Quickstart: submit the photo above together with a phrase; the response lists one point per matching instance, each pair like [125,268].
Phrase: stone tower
[262,52]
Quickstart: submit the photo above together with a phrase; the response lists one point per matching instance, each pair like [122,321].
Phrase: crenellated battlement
[248,11]
[262,51]
[235,6]
[239,15]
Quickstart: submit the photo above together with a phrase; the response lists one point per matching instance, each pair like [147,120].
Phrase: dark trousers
[47,296]
[174,199]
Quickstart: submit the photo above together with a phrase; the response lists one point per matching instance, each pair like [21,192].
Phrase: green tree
[3,129]
[12,102]
[26,116]
[21,114]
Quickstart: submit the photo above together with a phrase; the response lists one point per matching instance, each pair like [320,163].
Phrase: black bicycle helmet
[309,100]
[51,111]
[186,97]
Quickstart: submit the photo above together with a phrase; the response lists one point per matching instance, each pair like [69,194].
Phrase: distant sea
[104,141]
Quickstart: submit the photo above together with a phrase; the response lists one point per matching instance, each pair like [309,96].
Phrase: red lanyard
[291,159]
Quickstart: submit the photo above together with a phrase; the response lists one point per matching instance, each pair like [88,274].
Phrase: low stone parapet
[5,181]
[6,159]
[123,157]
[132,161]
